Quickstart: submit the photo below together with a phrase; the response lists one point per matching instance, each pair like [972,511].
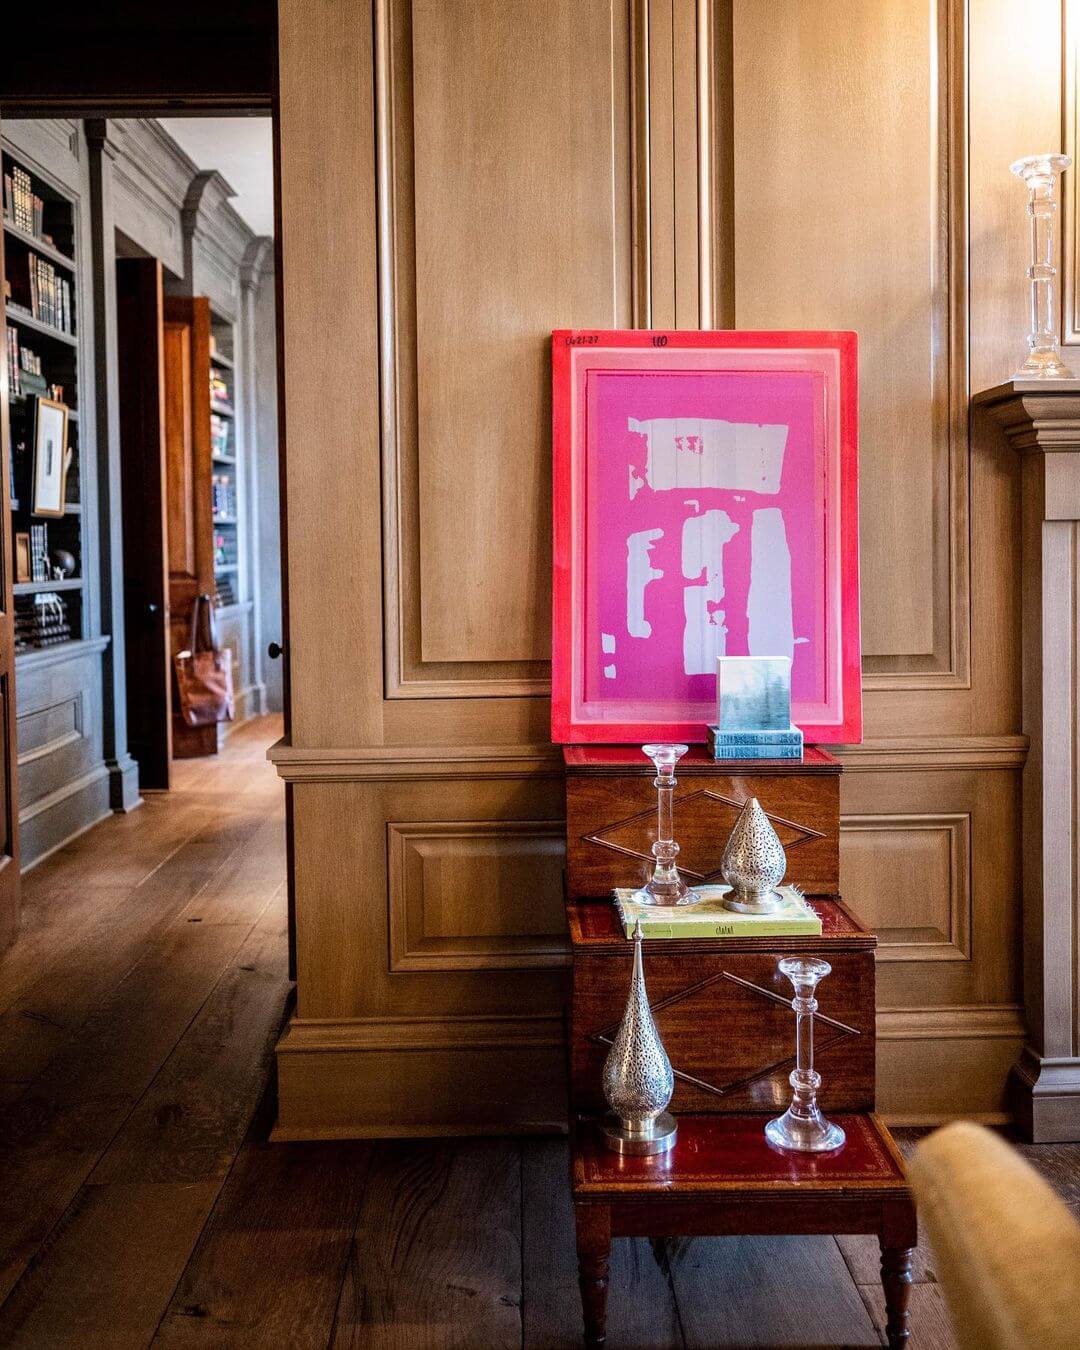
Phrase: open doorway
[141,322]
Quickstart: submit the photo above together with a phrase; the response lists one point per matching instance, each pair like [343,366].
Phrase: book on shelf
[759,744]
[709,919]
[219,388]
[50,294]
[22,206]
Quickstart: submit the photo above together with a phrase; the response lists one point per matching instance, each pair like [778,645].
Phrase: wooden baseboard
[1044,1094]
[935,1064]
[416,1077]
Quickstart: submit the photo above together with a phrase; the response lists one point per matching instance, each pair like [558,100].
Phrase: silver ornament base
[658,1136]
[767,903]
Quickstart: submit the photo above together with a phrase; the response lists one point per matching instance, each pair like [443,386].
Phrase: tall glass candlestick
[1040,173]
[665,886]
[802,1127]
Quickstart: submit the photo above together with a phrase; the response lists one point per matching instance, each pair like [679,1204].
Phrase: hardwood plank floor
[140,1202]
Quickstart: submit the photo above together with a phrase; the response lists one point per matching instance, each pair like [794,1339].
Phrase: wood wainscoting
[541,163]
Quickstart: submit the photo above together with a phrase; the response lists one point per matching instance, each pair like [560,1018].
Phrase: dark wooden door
[189,518]
[9,797]
[140,322]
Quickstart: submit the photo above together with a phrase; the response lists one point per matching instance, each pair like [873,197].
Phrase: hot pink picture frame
[705,503]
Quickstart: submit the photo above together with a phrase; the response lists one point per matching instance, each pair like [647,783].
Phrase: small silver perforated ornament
[638,1080]
[754,863]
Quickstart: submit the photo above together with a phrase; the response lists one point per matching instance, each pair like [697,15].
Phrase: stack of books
[219,435]
[760,744]
[22,206]
[219,389]
[709,919]
[50,295]
[41,622]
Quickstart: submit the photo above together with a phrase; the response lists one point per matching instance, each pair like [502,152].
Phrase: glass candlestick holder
[1040,174]
[802,1127]
[665,886]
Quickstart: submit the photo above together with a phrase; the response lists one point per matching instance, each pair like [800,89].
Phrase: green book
[709,919]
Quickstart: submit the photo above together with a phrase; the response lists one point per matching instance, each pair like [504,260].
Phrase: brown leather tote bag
[204,674]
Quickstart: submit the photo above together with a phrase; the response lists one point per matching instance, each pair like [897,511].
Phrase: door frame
[239,78]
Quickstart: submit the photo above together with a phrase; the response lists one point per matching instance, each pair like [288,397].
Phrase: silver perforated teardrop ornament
[753,863]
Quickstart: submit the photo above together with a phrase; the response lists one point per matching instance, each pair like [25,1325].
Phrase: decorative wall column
[123,771]
[258,253]
[1042,421]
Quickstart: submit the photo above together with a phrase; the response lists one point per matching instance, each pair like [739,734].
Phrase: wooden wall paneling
[466,386]
[401,1031]
[330,325]
[909,878]
[982,804]
[344,903]
[869,232]
[948,1000]
[476,895]
[850,183]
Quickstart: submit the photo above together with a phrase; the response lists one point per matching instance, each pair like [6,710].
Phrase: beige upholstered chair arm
[1007,1250]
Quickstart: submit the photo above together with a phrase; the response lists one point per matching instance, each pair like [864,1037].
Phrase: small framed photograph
[51,458]
[22,556]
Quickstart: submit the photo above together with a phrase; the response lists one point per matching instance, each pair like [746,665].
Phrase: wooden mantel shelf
[1042,421]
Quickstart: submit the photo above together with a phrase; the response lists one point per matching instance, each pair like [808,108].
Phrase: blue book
[756,744]
[733,752]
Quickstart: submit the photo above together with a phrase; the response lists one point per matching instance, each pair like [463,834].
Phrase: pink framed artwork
[705,504]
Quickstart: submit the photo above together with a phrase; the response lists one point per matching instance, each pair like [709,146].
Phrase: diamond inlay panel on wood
[611,825]
[709,819]
[728,1028]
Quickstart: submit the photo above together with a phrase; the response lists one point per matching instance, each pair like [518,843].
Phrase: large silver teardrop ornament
[638,1080]
[753,864]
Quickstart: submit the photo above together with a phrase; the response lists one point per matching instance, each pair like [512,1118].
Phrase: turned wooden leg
[594,1249]
[896,1281]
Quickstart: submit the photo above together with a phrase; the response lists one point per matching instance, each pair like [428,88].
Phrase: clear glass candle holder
[802,1128]
[1041,174]
[665,886]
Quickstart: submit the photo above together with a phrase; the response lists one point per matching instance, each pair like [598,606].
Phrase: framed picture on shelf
[51,457]
[22,556]
[705,505]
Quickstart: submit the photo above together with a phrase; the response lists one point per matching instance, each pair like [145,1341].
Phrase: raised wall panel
[505,194]
[909,878]
[475,895]
[850,211]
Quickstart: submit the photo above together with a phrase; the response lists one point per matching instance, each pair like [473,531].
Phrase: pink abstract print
[705,505]
[706,508]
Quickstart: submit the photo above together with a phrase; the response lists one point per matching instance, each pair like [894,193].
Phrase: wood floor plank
[39,1023]
[66,897]
[436,1259]
[57,1130]
[171,1156]
[109,1269]
[931,1328]
[641,1305]
[862,1252]
[191,1121]
[768,1291]
[269,1267]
